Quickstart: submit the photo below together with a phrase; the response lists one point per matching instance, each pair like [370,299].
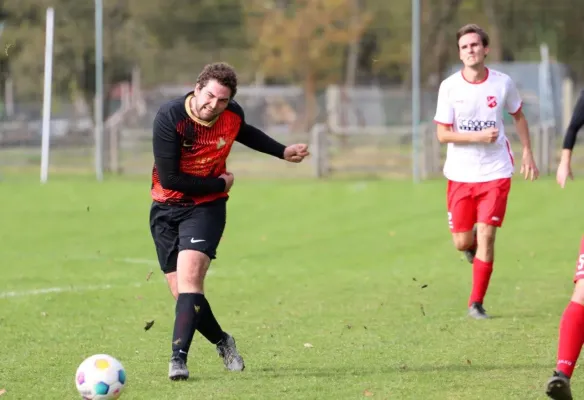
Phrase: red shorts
[469,203]
[579,274]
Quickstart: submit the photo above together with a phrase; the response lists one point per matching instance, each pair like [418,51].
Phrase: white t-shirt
[471,107]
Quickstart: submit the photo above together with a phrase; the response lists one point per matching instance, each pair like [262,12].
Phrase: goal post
[371,151]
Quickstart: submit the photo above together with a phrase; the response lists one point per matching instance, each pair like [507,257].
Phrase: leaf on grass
[148,325]
[348,326]
[468,362]
[403,367]
[367,393]
[422,310]
[149,275]
[424,286]
[308,345]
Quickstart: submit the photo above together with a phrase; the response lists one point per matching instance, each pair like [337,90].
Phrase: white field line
[62,289]
[83,289]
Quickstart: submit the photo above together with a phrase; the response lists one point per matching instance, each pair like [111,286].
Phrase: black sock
[208,325]
[188,313]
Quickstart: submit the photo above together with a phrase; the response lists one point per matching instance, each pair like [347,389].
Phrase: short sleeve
[513,100]
[444,110]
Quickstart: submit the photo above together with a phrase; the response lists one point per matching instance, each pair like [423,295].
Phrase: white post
[46,129]
[99,100]
[416,112]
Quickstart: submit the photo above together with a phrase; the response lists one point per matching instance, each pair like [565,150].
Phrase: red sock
[481,275]
[571,338]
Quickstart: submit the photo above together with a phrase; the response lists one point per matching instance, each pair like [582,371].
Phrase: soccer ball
[100,377]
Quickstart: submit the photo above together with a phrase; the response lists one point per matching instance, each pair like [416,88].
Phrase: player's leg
[199,237]
[462,217]
[164,222]
[491,198]
[172,283]
[571,337]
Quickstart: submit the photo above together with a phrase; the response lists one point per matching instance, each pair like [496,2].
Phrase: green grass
[337,264]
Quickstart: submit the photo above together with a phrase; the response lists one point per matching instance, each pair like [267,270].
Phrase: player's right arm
[166,145]
[576,122]
[444,120]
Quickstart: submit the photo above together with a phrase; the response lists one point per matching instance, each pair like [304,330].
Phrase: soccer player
[479,161]
[571,335]
[192,139]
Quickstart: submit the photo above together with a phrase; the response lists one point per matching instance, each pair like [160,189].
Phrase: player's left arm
[513,105]
[576,122]
[258,140]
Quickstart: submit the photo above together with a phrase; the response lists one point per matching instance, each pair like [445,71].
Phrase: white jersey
[472,107]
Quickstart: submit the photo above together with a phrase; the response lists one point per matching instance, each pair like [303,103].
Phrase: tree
[74,46]
[304,41]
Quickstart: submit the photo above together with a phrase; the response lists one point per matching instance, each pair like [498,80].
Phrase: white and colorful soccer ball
[100,377]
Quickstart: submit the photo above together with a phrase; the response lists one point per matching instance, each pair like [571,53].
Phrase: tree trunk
[496,48]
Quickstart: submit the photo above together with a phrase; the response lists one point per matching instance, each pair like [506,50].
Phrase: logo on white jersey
[474,125]
[491,101]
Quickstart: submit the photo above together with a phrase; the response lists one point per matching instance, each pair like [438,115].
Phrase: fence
[360,132]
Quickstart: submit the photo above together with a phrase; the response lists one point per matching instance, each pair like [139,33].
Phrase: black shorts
[175,228]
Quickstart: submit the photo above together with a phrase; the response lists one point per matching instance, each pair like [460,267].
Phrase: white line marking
[63,289]
[83,289]
[136,261]
[127,260]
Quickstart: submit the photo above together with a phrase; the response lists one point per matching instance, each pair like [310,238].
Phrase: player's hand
[528,167]
[564,172]
[488,135]
[296,152]
[228,178]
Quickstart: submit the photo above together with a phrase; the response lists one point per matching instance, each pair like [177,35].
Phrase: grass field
[336,264]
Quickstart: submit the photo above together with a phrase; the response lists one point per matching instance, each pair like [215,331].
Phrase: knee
[578,295]
[191,270]
[172,284]
[463,241]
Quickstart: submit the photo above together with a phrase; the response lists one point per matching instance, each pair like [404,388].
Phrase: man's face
[471,50]
[211,100]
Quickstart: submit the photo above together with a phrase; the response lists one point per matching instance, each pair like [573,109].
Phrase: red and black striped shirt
[190,154]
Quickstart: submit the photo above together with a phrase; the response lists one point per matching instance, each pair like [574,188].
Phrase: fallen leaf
[414,279]
[403,367]
[422,310]
[308,345]
[148,325]
[468,362]
[424,286]
[348,326]
[149,275]
[367,393]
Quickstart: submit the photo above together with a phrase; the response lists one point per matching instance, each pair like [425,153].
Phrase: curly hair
[222,73]
[473,28]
